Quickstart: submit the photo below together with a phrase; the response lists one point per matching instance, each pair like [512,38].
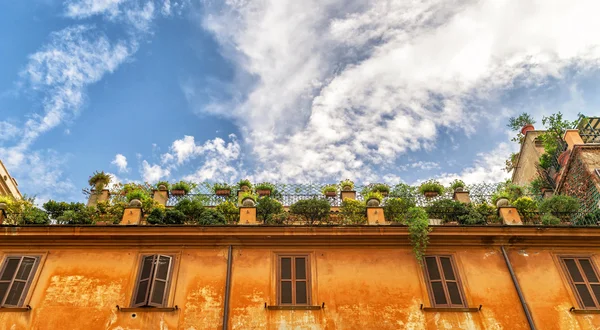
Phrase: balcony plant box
[381,188]
[180,188]
[431,188]
[329,190]
[347,185]
[264,189]
[222,189]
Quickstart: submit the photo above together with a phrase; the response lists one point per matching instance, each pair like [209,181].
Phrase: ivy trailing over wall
[418,227]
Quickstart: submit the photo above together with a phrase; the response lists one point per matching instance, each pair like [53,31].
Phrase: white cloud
[185,149]
[8,130]
[87,8]
[141,17]
[153,173]
[121,162]
[335,89]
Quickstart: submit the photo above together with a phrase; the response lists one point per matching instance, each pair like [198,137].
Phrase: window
[583,278]
[442,282]
[293,280]
[16,275]
[153,281]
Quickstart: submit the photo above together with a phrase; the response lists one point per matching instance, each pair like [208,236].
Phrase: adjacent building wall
[526,170]
[8,185]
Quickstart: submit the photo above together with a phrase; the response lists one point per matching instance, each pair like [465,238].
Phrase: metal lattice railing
[589,130]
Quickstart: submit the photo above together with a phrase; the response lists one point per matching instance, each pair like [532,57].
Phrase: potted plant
[431,188]
[222,189]
[501,198]
[381,188]
[180,188]
[347,185]
[162,185]
[244,185]
[264,188]
[248,199]
[373,198]
[457,185]
[329,190]
[99,180]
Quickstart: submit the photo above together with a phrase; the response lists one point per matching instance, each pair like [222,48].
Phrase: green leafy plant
[536,185]
[418,228]
[220,186]
[175,217]
[500,194]
[34,216]
[111,212]
[182,185]
[560,206]
[527,208]
[244,183]
[456,184]
[265,186]
[431,186]
[447,210]
[162,183]
[348,184]
[395,208]
[192,209]
[156,216]
[517,123]
[353,212]
[266,208]
[99,180]
[248,194]
[550,220]
[137,194]
[211,217]
[373,195]
[311,210]
[84,216]
[330,188]
[511,162]
[230,211]
[381,188]
[403,190]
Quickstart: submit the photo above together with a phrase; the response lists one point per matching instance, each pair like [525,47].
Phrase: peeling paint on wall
[203,307]
[82,291]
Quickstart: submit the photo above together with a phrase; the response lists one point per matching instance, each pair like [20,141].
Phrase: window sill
[584,311]
[294,308]
[450,309]
[147,309]
[15,309]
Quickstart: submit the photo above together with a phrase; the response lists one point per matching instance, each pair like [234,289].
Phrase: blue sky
[283,91]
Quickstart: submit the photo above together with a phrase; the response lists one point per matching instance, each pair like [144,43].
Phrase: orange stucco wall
[362,288]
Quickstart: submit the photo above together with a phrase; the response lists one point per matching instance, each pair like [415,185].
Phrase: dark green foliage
[516,123]
[100,178]
[191,208]
[230,211]
[395,208]
[35,216]
[174,217]
[137,194]
[157,216]
[244,182]
[56,209]
[163,183]
[446,209]
[211,217]
[431,186]
[265,186]
[472,217]
[558,204]
[311,210]
[266,208]
[380,187]
[353,212]
[457,184]
[182,185]
[525,205]
[79,216]
[418,228]
[550,220]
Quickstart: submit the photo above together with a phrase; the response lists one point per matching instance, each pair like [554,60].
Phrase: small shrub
[418,228]
[99,180]
[246,183]
[373,195]
[220,186]
[329,188]
[174,217]
[457,184]
[311,210]
[211,217]
[395,208]
[558,204]
[381,188]
[550,220]
[162,183]
[157,216]
[498,195]
[446,209]
[431,186]
[347,183]
[111,212]
[353,212]
[34,216]
[472,217]
[527,208]
[191,208]
[265,186]
[403,190]
[248,194]
[182,185]
[137,194]
[267,207]
[229,211]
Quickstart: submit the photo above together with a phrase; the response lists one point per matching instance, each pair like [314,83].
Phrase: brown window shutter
[583,277]
[301,281]
[443,282]
[293,280]
[160,281]
[144,281]
[15,279]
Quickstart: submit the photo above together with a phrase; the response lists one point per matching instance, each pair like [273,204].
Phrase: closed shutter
[584,279]
[443,282]
[293,280]
[15,279]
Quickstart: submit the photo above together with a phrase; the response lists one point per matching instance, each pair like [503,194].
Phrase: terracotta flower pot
[248,202]
[222,192]
[263,192]
[177,192]
[347,188]
[430,194]
[527,128]
[373,202]
[330,193]
[502,202]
